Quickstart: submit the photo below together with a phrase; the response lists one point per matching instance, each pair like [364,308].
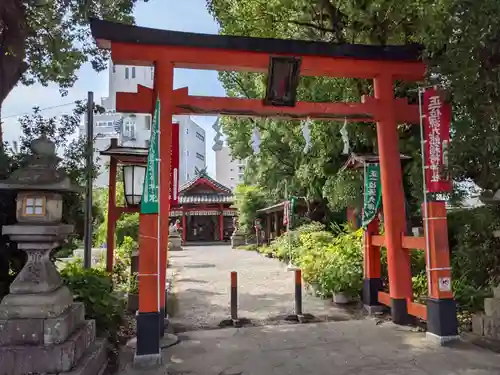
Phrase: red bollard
[298,293]
[234,297]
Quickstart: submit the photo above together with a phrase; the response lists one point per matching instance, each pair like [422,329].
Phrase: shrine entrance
[285,61]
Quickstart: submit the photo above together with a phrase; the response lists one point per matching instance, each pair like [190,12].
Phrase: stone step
[40,359]
[93,362]
[492,307]
[486,326]
[42,331]
[496,292]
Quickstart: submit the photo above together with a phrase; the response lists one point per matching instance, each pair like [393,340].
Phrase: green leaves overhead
[462,52]
[48,41]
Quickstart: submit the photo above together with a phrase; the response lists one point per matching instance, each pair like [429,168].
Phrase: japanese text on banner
[149,201]
[437,115]
[372,194]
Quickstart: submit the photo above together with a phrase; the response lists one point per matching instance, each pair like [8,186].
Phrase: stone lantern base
[487,324]
[42,331]
[54,345]
[238,239]
[176,242]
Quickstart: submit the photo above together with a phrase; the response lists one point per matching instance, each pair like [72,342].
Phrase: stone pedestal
[238,239]
[42,331]
[488,324]
[176,242]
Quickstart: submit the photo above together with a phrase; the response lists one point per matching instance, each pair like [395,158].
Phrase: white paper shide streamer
[345,138]
[306,133]
[256,140]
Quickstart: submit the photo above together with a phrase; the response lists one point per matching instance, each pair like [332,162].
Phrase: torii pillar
[152,284]
[398,259]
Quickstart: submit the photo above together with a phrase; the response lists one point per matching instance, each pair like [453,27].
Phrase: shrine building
[205,210]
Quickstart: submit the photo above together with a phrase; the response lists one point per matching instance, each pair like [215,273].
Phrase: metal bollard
[234,297]
[298,293]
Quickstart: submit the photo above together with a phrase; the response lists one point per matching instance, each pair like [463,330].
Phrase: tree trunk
[13,33]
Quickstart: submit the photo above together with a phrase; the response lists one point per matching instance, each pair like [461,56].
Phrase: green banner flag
[373,193]
[149,201]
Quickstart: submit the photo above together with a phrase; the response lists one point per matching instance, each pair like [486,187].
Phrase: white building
[228,172]
[134,130]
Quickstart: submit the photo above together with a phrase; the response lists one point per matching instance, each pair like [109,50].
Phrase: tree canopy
[462,49]
[47,41]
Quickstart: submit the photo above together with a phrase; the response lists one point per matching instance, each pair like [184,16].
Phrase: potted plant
[133,293]
[343,274]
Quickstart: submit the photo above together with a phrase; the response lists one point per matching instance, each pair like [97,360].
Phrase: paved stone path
[356,347]
[201,286]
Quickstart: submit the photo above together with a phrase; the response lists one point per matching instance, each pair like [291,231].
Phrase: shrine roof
[204,179]
[359,160]
[106,31]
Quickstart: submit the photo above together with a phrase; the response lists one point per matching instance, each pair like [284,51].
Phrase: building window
[187,131]
[133,72]
[241,169]
[241,177]
[114,68]
[34,206]
[200,156]
[200,136]
[129,129]
[126,73]
[148,122]
[146,143]
[187,152]
[231,178]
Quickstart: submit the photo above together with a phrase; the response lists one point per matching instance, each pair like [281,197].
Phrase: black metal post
[87,254]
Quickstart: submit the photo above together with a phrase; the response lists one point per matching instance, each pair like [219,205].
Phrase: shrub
[252,247]
[249,199]
[121,266]
[343,271]
[94,287]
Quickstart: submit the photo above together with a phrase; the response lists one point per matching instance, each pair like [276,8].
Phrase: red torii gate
[166,50]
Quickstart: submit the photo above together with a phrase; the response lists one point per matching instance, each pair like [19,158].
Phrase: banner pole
[425,213]
[158,192]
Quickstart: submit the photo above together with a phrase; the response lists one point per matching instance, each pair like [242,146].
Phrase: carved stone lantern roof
[41,172]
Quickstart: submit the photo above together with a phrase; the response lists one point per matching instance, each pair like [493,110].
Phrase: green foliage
[133,286]
[462,53]
[475,259]
[121,266]
[94,287]
[251,247]
[126,226]
[331,261]
[248,200]
[344,189]
[49,41]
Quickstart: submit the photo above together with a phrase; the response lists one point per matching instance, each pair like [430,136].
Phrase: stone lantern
[42,330]
[238,238]
[174,238]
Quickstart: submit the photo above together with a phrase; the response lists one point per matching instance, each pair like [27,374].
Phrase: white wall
[228,172]
[192,139]
[136,129]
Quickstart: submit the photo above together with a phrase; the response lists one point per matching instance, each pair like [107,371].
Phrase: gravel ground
[200,276]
